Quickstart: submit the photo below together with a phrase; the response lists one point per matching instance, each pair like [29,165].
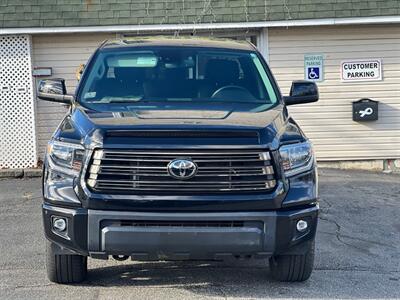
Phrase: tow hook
[120,257]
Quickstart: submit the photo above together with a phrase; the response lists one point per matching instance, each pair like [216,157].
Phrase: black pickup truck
[178,149]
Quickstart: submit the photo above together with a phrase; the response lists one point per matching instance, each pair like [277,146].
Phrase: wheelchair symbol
[313,73]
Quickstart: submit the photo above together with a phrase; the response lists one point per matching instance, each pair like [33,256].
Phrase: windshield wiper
[123,100]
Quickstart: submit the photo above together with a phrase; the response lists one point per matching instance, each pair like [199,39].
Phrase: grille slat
[187,189]
[146,171]
[167,175]
[217,160]
[184,152]
[165,167]
[180,183]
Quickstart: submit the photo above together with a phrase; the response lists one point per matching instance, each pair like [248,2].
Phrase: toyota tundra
[178,149]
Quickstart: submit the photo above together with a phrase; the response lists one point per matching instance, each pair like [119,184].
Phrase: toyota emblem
[182,168]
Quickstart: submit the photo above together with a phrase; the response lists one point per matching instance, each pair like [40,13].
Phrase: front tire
[62,268]
[291,268]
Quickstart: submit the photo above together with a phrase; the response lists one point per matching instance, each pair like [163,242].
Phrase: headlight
[297,158]
[65,157]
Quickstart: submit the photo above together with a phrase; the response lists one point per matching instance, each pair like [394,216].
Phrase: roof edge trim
[203,26]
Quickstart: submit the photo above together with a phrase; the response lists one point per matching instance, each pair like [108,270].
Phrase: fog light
[301,225]
[59,224]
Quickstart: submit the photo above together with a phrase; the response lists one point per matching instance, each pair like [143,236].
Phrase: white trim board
[204,26]
[263,43]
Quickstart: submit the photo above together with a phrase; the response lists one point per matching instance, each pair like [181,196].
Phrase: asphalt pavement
[357,252]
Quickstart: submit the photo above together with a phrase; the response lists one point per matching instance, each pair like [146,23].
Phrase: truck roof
[177,42]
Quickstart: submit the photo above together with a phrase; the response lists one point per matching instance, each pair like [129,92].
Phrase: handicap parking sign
[313,73]
[314,67]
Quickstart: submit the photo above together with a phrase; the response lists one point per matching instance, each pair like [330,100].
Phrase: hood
[182,118]
[171,127]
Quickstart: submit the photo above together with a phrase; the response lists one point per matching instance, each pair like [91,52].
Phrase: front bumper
[183,235]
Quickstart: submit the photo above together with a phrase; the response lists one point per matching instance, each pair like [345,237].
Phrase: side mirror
[302,92]
[54,90]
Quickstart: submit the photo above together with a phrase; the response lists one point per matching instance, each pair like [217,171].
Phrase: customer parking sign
[314,67]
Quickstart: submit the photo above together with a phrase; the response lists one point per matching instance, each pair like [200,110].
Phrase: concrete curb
[391,166]
[20,173]
[29,173]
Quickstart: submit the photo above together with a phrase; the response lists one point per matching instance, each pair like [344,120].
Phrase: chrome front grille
[147,171]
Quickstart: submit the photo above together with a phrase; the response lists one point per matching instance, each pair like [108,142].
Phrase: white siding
[63,53]
[328,122]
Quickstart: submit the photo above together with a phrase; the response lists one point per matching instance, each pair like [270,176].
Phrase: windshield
[171,74]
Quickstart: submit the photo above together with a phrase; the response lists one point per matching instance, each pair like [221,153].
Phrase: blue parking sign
[313,73]
[314,67]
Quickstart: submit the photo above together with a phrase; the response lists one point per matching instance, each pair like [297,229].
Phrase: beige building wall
[63,53]
[328,123]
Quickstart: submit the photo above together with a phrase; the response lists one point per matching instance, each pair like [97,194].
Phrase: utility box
[365,110]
